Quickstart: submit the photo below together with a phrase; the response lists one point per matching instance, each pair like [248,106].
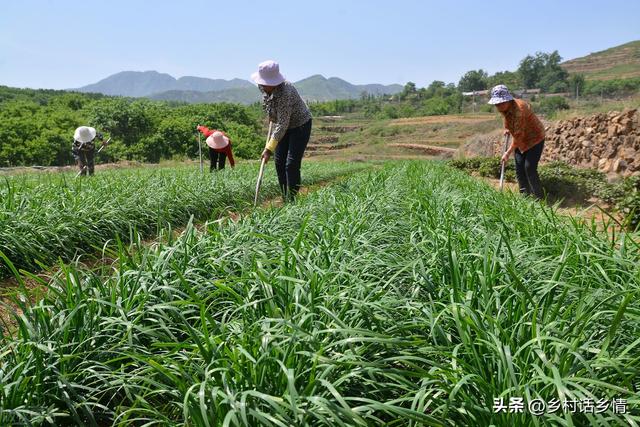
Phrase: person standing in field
[527,142]
[84,148]
[219,148]
[291,125]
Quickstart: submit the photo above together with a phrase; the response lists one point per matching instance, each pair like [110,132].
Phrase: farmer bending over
[84,148]
[528,138]
[291,121]
[219,148]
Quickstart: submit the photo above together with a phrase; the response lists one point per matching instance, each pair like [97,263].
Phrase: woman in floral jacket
[291,125]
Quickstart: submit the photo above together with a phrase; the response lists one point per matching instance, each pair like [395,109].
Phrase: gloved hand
[271,145]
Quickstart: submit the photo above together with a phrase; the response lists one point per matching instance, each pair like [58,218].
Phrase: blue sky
[63,44]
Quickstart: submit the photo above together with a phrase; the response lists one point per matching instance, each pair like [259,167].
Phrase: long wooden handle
[269,131]
[506,143]
[259,182]
[261,173]
[104,144]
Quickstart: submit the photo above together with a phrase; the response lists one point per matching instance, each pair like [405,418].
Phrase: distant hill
[314,88]
[155,85]
[620,62]
[319,88]
[144,83]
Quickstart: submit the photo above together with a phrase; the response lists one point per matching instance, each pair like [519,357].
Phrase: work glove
[271,145]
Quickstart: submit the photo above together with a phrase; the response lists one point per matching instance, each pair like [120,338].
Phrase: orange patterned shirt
[525,127]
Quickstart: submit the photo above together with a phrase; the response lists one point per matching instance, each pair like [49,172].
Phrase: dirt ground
[458,118]
[430,150]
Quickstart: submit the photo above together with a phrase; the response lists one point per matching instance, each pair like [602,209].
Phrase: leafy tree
[408,91]
[246,141]
[36,126]
[125,121]
[551,104]
[543,71]
[473,80]
[554,81]
[435,106]
[510,79]
[371,109]
[616,87]
[174,137]
[390,111]
[531,70]
[576,84]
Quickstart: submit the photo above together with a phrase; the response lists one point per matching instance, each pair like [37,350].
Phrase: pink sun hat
[217,140]
[268,74]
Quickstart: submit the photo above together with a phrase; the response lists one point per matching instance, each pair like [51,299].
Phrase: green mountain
[319,88]
[620,62]
[145,83]
[154,85]
[314,88]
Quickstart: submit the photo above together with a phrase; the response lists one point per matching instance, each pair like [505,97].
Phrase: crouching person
[219,148]
[84,148]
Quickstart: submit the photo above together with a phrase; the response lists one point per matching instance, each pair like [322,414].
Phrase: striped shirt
[286,109]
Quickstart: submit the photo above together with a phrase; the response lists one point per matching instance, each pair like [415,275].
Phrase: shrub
[551,104]
[562,182]
[435,106]
[247,143]
[488,167]
[629,205]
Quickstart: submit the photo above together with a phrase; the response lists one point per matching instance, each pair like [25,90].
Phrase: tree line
[540,71]
[36,127]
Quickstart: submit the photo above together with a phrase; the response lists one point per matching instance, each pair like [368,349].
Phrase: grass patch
[412,295]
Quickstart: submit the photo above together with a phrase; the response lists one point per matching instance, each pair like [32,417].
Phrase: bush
[615,87]
[435,107]
[36,126]
[551,104]
[469,164]
[247,144]
[629,205]
[561,181]
[488,167]
[390,112]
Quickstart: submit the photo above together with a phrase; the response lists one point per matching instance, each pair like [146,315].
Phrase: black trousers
[527,170]
[217,160]
[288,158]
[86,161]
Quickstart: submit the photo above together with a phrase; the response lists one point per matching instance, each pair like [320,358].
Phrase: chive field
[406,295]
[46,217]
